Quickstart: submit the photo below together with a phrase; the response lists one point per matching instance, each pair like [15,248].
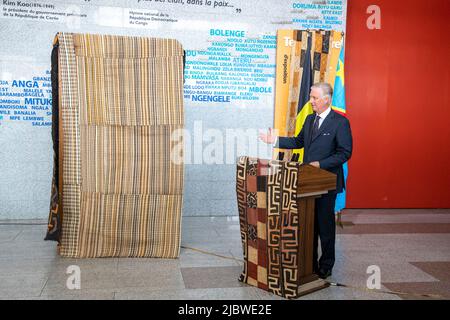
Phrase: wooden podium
[312,183]
[276,202]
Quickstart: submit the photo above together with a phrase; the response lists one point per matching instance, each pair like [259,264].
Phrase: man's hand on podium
[315,164]
[270,137]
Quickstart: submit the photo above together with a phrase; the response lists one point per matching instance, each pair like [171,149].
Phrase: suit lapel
[326,123]
[308,128]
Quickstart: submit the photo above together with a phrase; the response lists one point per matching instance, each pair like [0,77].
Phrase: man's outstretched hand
[269,137]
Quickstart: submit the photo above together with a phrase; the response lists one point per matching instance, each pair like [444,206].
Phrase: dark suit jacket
[331,146]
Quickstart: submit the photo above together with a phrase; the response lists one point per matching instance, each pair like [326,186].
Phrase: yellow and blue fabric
[338,105]
[304,106]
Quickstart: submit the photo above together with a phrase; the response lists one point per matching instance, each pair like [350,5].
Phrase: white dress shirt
[323,115]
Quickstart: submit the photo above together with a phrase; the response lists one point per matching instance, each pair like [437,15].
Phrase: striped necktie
[316,126]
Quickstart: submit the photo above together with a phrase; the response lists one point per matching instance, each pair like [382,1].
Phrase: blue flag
[338,105]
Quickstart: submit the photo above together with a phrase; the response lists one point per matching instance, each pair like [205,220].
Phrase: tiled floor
[411,247]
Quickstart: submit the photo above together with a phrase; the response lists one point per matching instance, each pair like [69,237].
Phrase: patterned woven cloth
[116,192]
[269,224]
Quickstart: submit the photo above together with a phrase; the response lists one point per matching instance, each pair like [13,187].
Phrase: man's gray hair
[326,88]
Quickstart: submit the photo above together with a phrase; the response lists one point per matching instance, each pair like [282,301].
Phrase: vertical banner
[282,83]
[338,105]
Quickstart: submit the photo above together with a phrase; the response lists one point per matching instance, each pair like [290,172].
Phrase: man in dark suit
[327,141]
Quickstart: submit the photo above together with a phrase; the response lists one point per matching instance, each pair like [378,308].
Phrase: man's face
[318,101]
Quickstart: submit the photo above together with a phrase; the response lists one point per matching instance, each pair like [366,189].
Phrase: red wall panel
[397,82]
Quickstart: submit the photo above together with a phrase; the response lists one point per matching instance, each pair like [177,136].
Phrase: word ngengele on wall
[233,67]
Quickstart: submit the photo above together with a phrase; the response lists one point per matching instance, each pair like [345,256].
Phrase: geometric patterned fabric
[269,224]
[118,192]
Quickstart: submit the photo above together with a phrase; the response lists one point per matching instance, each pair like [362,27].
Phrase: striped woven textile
[269,224]
[118,192]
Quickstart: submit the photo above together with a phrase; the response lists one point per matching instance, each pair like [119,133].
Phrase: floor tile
[211,277]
